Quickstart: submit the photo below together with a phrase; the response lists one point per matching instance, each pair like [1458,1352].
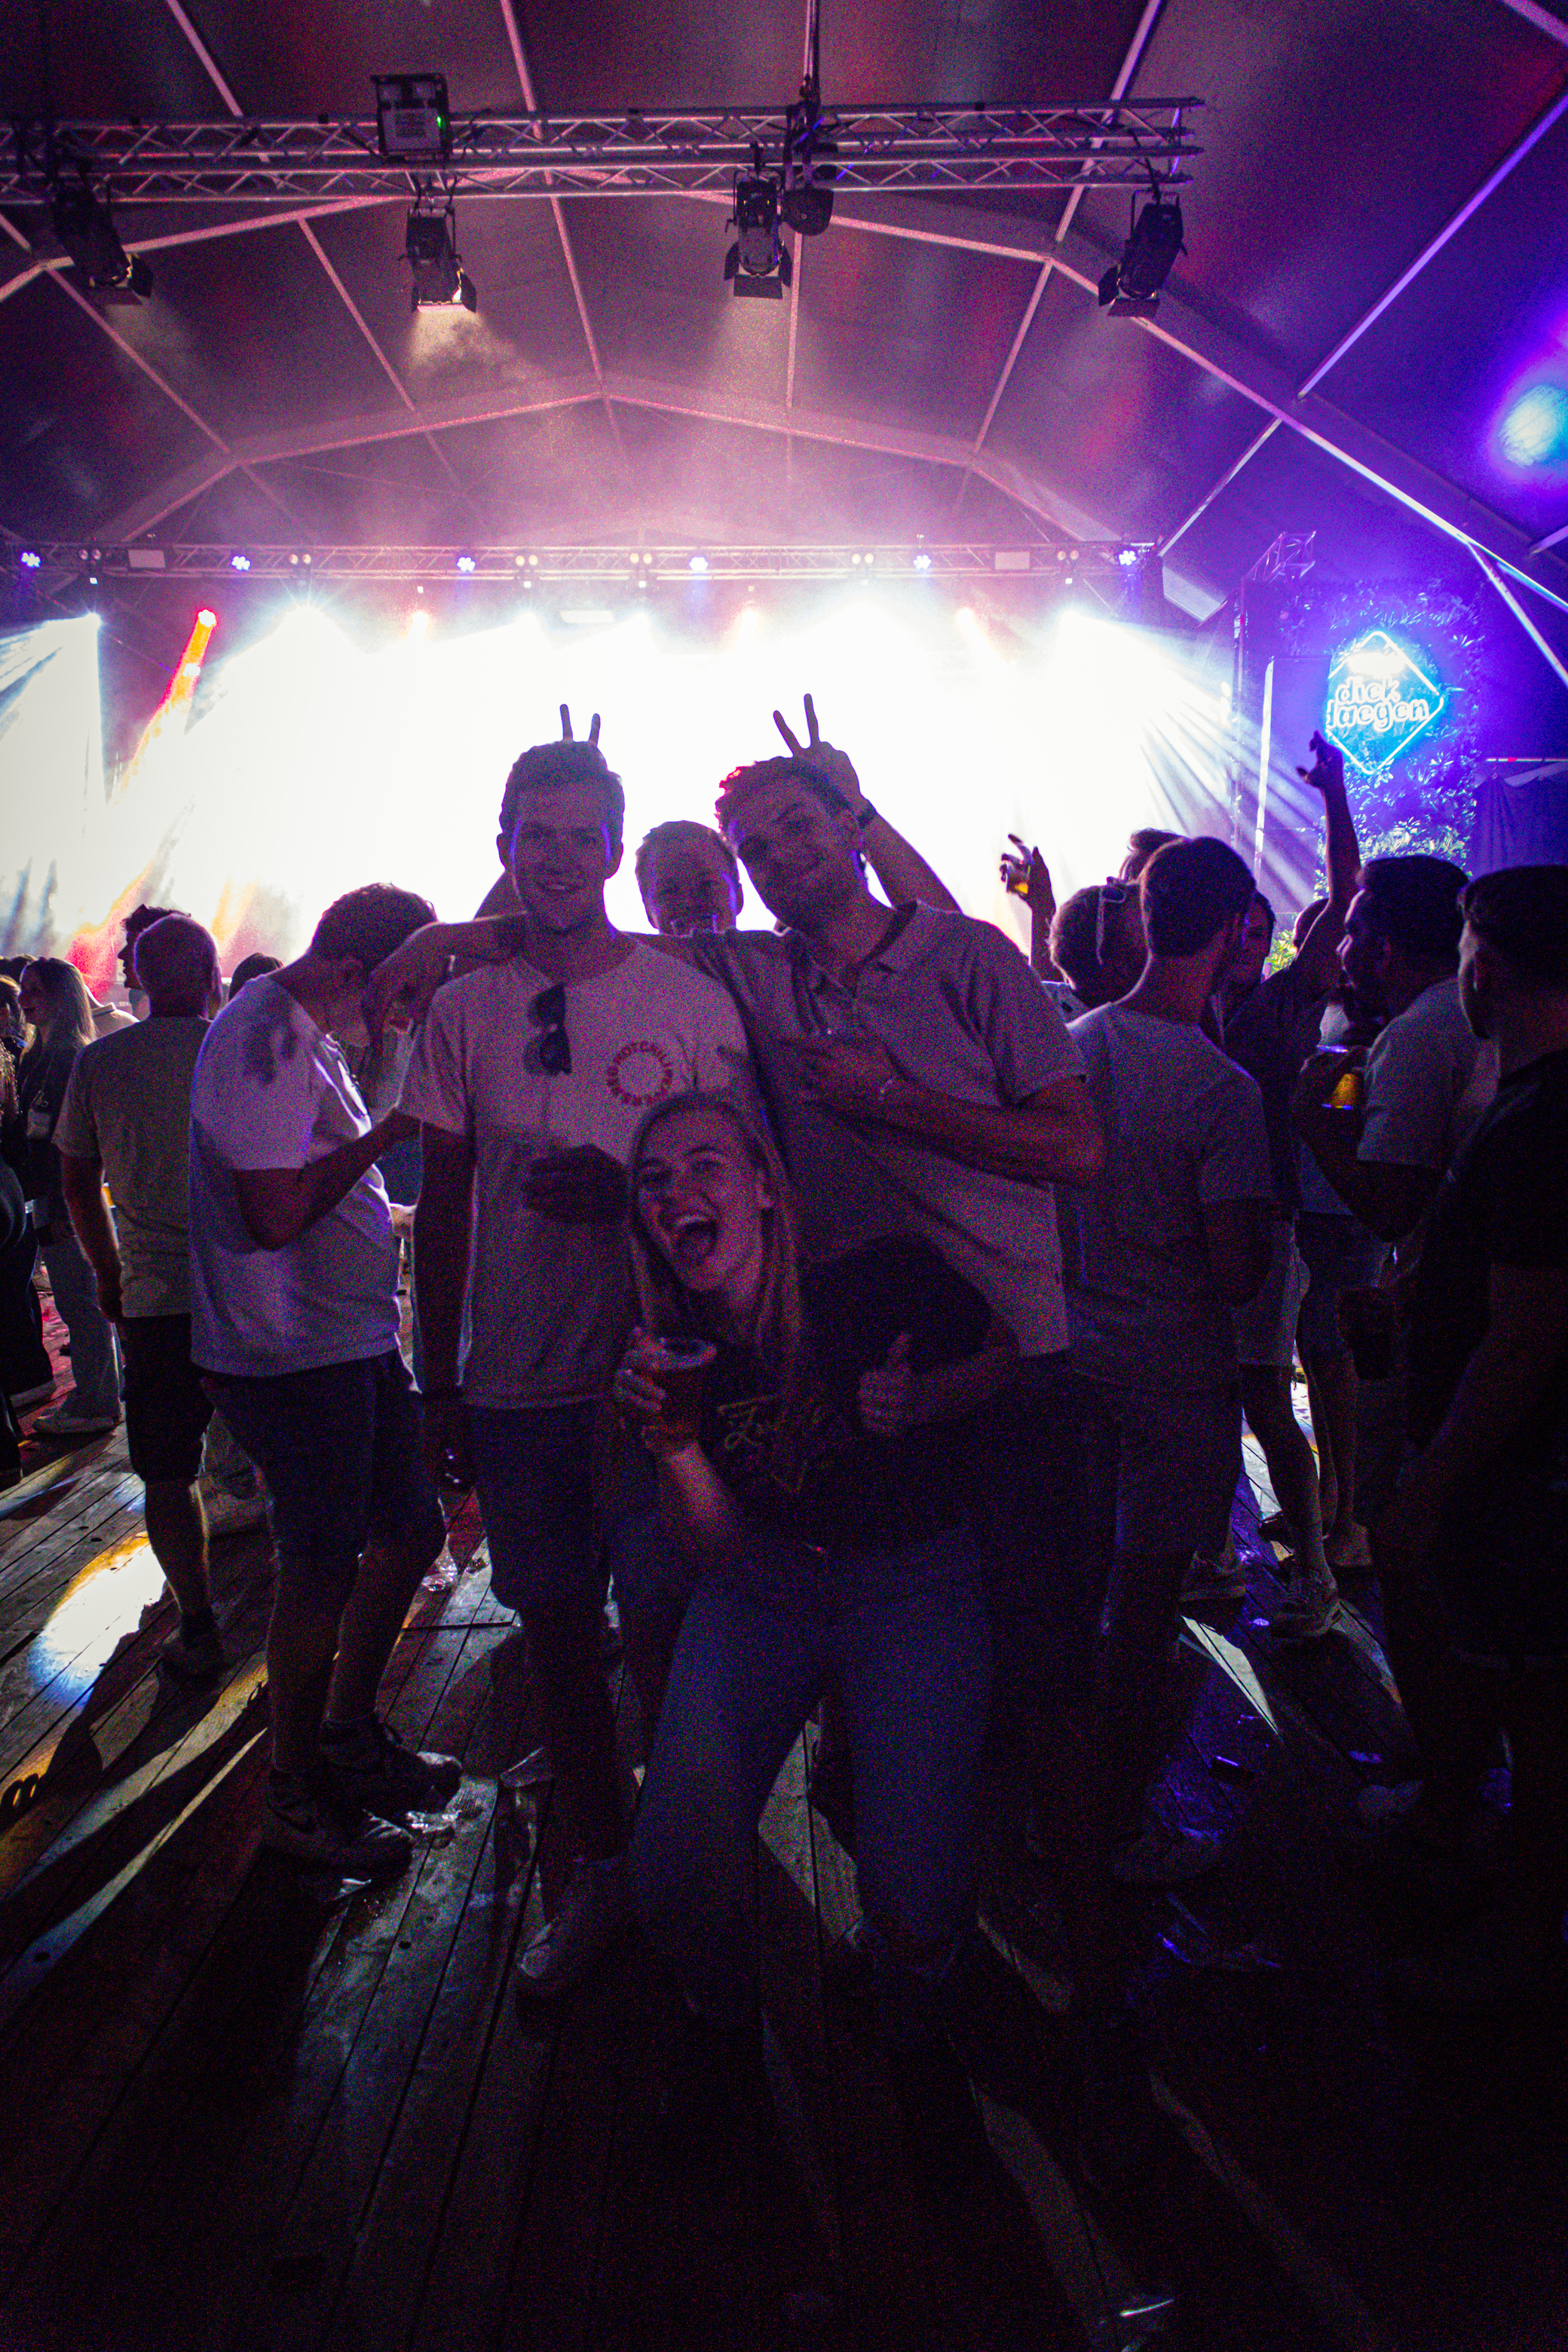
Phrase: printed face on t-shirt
[799,853]
[562,855]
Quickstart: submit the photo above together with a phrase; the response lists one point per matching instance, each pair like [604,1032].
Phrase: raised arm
[1025,875]
[898,866]
[1341,862]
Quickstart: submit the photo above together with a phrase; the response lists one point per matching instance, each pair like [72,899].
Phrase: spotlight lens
[31,559]
[465,562]
[697,563]
[239,562]
[922,562]
[1128,556]
[208,618]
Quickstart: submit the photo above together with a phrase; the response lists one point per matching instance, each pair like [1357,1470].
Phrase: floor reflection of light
[101,1604]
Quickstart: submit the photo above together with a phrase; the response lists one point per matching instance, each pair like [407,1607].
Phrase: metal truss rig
[49,562]
[1115,143]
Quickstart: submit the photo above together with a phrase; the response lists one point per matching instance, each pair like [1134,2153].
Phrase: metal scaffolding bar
[1115,142]
[1056,559]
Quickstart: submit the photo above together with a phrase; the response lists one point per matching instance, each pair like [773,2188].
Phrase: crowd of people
[881,1311]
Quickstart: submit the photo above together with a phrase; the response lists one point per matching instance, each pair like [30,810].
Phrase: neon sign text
[1380,700]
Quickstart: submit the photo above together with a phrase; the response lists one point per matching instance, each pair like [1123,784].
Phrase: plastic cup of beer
[681,1369]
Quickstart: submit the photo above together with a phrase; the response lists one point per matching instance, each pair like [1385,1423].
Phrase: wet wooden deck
[240,2110]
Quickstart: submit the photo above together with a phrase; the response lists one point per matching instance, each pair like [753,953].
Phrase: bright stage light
[237,562]
[30,560]
[697,563]
[1533,432]
[466,563]
[921,562]
[208,618]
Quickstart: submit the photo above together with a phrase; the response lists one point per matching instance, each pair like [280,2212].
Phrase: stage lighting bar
[1049,559]
[1090,143]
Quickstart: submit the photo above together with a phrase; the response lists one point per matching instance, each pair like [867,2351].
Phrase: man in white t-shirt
[529,1081]
[294,1322]
[1174,1238]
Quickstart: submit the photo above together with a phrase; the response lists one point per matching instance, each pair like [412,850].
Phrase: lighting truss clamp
[1099,144]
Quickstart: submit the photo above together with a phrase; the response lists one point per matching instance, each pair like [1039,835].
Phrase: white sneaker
[1310,1608]
[1160,1857]
[232,1514]
[68,1420]
[594,1914]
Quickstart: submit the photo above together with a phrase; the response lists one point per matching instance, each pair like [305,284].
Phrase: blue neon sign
[1380,700]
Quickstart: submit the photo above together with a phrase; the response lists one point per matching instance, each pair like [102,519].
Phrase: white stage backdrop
[316,765]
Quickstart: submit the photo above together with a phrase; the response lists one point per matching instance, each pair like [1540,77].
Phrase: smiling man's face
[800,854]
[562,855]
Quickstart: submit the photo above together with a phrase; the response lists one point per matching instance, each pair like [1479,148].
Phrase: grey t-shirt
[1183,1130]
[1428,1082]
[274,1091]
[959,1011]
[129,1105]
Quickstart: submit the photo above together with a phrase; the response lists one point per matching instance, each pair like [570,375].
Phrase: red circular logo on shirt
[640,1074]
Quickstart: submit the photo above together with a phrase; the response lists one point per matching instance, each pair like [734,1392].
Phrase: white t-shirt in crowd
[1428,1080]
[1183,1130]
[128,1107]
[274,1091]
[550,1302]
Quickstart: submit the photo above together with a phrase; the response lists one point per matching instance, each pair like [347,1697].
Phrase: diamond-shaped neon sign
[1380,700]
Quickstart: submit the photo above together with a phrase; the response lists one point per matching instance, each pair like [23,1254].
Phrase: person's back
[129,1106]
[1181,1125]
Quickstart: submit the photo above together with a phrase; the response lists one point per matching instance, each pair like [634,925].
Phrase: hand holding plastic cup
[680,1370]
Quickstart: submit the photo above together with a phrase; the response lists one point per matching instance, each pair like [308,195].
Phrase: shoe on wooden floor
[313,1828]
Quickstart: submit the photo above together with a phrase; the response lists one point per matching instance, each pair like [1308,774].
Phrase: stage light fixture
[697,563]
[440,281]
[757,263]
[810,165]
[30,560]
[84,226]
[207,617]
[922,561]
[237,562]
[413,117]
[1131,287]
[466,563]
[1127,557]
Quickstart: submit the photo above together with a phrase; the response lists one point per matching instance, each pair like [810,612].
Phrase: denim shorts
[533,1469]
[339,1447]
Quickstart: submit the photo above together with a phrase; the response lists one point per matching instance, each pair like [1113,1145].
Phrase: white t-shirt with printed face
[550,1302]
[272,1090]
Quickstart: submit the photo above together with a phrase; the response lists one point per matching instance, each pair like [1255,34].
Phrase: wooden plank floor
[240,2110]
